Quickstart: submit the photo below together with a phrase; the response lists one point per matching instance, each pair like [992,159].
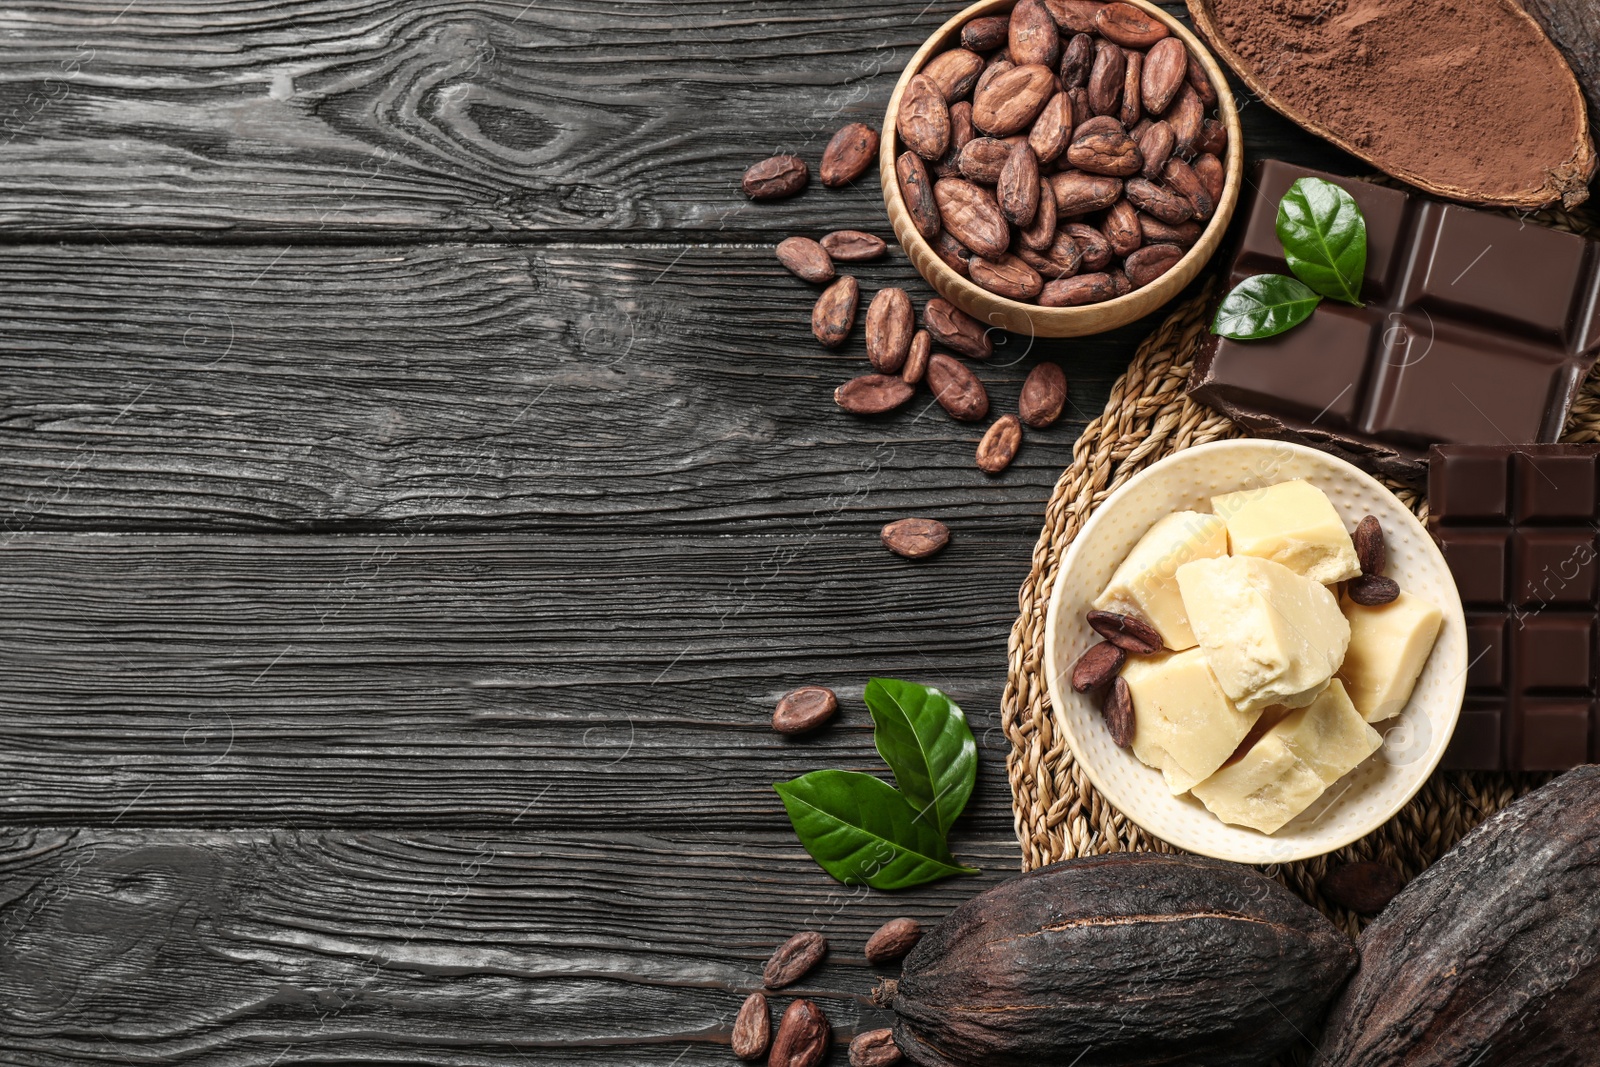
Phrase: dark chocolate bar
[1478,329]
[1517,525]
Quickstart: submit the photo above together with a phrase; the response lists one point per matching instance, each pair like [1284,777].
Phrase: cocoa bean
[776,178]
[874,1048]
[872,394]
[1044,395]
[853,246]
[1364,888]
[923,120]
[982,159]
[1186,116]
[955,254]
[956,388]
[1033,36]
[1018,188]
[1371,590]
[806,259]
[1121,228]
[1150,262]
[1060,260]
[1012,99]
[955,72]
[1128,632]
[1128,26]
[794,959]
[1079,95]
[1041,232]
[848,155]
[1097,666]
[803,1036]
[915,538]
[1105,78]
[803,710]
[1212,175]
[1097,124]
[1078,193]
[916,190]
[1155,145]
[985,34]
[1107,152]
[1093,248]
[972,216]
[1052,130]
[1120,285]
[1076,60]
[1156,232]
[1117,707]
[1181,179]
[917,361]
[1165,70]
[1132,91]
[1075,292]
[1074,16]
[1000,444]
[1213,138]
[1009,276]
[1136,131]
[835,312]
[1200,81]
[961,133]
[1370,549]
[752,1029]
[893,940]
[999,63]
[1152,199]
[890,323]
[956,330]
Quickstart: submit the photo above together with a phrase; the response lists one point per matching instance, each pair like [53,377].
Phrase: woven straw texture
[1058,812]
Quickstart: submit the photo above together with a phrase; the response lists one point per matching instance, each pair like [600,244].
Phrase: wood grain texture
[1574,25]
[188,680]
[509,947]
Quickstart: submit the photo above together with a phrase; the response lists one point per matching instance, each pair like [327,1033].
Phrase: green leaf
[860,829]
[1263,305]
[1324,238]
[924,738]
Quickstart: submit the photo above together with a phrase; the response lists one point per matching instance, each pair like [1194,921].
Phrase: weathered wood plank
[475,387]
[422,680]
[327,118]
[511,947]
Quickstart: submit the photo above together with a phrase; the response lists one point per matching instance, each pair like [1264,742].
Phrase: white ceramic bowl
[1414,740]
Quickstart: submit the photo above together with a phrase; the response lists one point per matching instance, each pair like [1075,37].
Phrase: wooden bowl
[1032,319]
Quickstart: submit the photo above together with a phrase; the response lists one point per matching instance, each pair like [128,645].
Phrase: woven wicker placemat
[1058,812]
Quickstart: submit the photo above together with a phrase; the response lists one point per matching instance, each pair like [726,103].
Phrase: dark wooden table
[418,482]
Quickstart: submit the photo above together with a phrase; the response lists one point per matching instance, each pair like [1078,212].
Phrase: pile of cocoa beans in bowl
[1065,154]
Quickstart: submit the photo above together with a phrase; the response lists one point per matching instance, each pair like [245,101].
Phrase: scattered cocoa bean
[956,330]
[794,959]
[1033,36]
[985,34]
[853,246]
[1011,100]
[1077,291]
[1000,444]
[1165,69]
[1044,395]
[1152,199]
[923,120]
[891,321]
[916,189]
[955,72]
[874,1048]
[872,394]
[915,538]
[1364,888]
[1117,707]
[1121,228]
[893,940]
[1018,188]
[1128,632]
[1128,26]
[956,388]
[806,259]
[1370,549]
[972,216]
[835,312]
[848,155]
[752,1028]
[803,1036]
[1097,666]
[803,710]
[1371,590]
[917,361]
[1105,78]
[776,178]
[1150,262]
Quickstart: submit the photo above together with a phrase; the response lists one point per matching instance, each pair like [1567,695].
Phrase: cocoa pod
[752,1028]
[1150,262]
[1186,117]
[874,1048]
[1128,632]
[1039,234]
[1212,174]
[955,254]
[982,159]
[1155,145]
[890,323]
[803,1036]
[1093,248]
[1012,99]
[893,940]
[1008,276]
[923,120]
[872,394]
[1078,193]
[1166,67]
[972,216]
[1128,26]
[915,538]
[956,388]
[1121,228]
[1079,948]
[1052,130]
[1105,78]
[1132,91]
[1152,199]
[1181,179]
[806,259]
[1213,138]
[1000,444]
[1489,957]
[1018,188]
[1077,291]
[1364,888]
[1156,232]
[1370,549]
[1097,666]
[916,190]
[1116,707]
[794,959]
[1107,152]
[1033,36]
[776,178]
[848,155]
[985,34]
[1044,396]
[916,365]
[1074,16]
[803,710]
[835,312]
[1077,58]
[853,246]
[956,330]
[955,72]
[1200,82]
[1371,590]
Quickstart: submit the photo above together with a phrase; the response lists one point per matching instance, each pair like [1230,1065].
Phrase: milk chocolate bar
[1478,328]
[1517,526]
